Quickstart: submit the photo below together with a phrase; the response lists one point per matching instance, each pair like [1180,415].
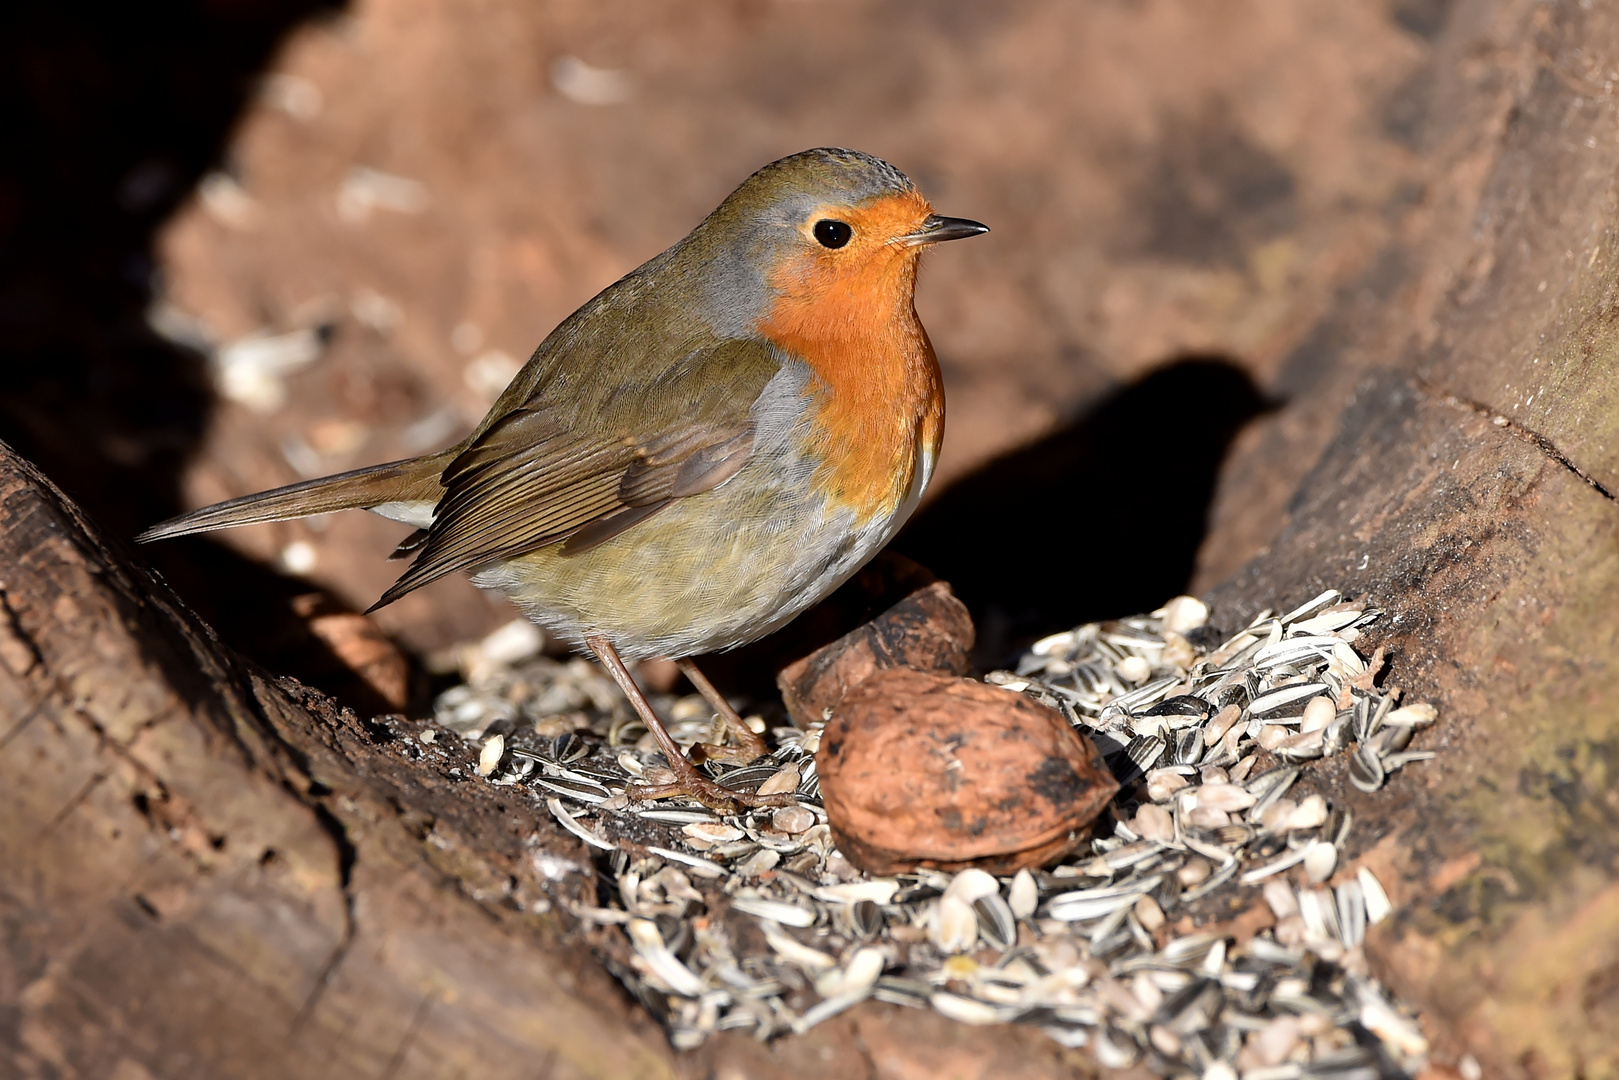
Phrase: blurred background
[246,242]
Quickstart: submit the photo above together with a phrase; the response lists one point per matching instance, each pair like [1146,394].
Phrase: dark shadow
[1101,519]
[112,113]
[750,672]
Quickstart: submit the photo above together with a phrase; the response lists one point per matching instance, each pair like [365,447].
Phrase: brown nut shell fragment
[920,769]
[918,623]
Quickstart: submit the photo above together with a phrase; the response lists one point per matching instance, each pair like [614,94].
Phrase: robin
[702,451]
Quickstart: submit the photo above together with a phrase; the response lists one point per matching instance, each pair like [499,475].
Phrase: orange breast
[884,399]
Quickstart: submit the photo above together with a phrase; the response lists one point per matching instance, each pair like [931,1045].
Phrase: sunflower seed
[774,910]
[867,919]
[1181,705]
[1378,907]
[1287,695]
[1366,769]
[996,923]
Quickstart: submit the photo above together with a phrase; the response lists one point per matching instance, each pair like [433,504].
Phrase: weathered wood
[1471,489]
[206,873]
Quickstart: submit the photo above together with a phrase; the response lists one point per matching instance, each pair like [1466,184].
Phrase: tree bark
[211,873]
[1470,489]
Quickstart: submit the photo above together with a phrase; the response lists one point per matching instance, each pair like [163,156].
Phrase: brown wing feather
[647,489]
[531,479]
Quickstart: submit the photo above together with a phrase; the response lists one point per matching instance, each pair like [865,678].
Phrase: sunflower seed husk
[775,910]
[1304,611]
[677,817]
[568,747]
[566,820]
[1352,913]
[830,1007]
[966,1010]
[578,791]
[867,919]
[953,925]
[704,867]
[1287,695]
[665,965]
[1022,895]
[1366,769]
[912,993]
[996,923]
[1378,907]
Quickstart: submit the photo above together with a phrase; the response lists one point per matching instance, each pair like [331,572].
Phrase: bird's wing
[542,474]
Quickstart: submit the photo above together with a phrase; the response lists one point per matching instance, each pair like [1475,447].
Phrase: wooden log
[1470,489]
[206,872]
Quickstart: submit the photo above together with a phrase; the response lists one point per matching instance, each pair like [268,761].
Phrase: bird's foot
[750,746]
[687,780]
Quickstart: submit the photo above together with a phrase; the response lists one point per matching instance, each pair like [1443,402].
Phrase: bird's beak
[936,229]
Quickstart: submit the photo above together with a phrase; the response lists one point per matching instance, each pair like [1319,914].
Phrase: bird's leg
[688,780]
[751,747]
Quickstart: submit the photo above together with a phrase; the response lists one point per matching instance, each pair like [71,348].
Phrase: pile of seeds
[755,921]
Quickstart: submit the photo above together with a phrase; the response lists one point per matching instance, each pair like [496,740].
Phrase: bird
[700,452]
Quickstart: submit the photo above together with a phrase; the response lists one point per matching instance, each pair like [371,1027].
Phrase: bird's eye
[832,234]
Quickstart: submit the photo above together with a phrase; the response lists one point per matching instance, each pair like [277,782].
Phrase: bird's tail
[411,480]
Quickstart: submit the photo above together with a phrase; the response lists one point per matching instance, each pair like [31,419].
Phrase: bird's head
[832,230]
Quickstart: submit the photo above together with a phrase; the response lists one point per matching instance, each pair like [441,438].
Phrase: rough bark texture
[1470,488]
[210,873]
